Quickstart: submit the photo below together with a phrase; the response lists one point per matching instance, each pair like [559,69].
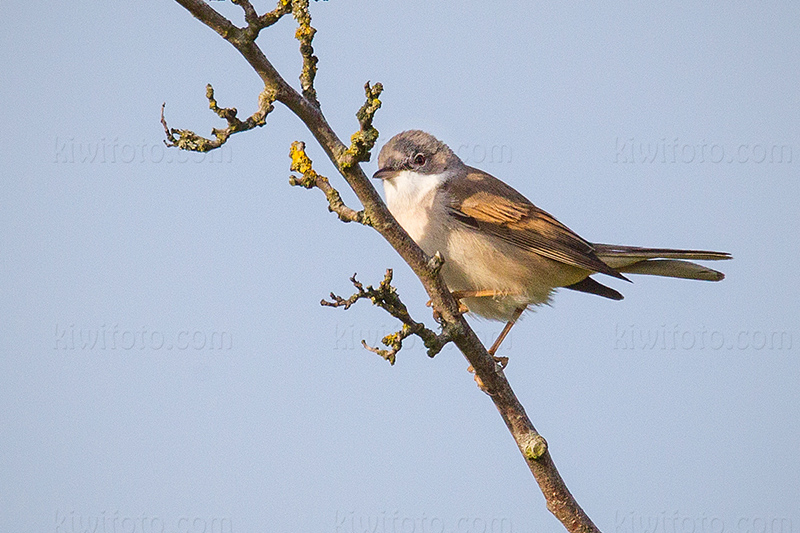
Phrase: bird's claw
[500,364]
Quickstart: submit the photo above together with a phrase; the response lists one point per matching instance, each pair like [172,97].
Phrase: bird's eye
[419,160]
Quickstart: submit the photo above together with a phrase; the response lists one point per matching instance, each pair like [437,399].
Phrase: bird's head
[418,152]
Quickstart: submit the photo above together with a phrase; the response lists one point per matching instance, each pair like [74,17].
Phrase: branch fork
[385,296]
[302,163]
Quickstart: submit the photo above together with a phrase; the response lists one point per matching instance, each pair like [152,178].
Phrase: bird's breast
[411,200]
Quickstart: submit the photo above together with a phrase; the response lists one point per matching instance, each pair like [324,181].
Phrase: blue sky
[164,360]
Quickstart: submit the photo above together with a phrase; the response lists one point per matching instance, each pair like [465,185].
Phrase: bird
[502,254]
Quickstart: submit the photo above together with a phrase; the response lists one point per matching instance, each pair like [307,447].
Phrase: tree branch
[305,34]
[532,446]
[362,141]
[301,163]
[386,297]
[189,140]
[256,23]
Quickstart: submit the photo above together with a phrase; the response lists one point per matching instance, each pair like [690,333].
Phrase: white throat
[410,196]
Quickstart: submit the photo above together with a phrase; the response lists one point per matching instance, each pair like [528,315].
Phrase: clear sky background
[665,124]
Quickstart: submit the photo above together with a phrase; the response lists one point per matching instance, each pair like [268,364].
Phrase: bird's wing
[486,204]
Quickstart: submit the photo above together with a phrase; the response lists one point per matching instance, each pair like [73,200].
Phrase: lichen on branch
[362,141]
[302,163]
[385,296]
[305,34]
[189,140]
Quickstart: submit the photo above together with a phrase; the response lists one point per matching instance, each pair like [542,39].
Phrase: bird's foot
[500,364]
[462,308]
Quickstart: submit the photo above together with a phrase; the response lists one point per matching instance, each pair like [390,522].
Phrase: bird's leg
[458,295]
[503,334]
[485,293]
[501,361]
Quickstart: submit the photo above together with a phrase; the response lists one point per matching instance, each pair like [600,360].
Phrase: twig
[302,164]
[256,23]
[385,296]
[189,140]
[250,15]
[364,139]
[305,34]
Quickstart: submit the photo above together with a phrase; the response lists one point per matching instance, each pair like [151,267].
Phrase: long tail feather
[674,268]
[611,251]
[660,261]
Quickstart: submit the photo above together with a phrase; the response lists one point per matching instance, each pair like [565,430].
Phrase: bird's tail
[660,261]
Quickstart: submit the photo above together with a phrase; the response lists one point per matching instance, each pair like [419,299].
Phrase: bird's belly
[479,262]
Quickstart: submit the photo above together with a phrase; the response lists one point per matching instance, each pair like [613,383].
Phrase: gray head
[418,151]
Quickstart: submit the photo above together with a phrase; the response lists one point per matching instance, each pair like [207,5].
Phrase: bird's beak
[384,174]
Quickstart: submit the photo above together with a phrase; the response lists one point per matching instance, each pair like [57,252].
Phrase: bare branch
[386,297]
[271,17]
[256,22]
[189,140]
[302,164]
[211,18]
[250,15]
